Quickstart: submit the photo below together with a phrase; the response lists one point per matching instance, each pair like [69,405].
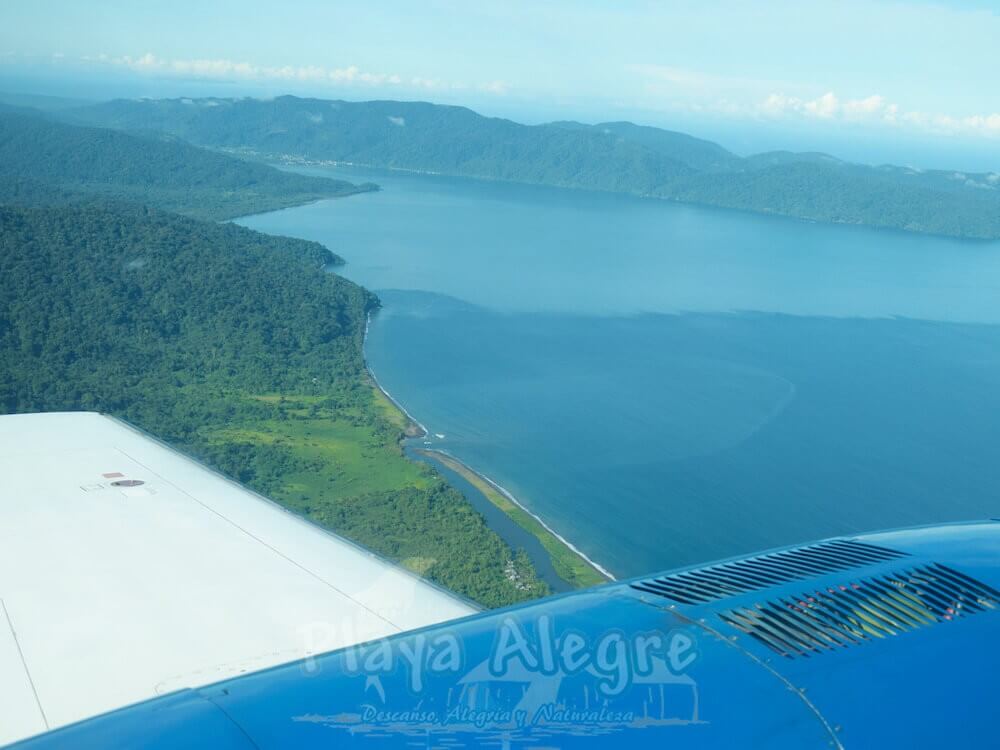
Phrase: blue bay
[667,384]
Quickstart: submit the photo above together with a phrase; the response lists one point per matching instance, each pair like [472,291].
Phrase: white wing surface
[128,570]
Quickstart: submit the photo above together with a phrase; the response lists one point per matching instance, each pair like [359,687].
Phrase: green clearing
[342,453]
[390,412]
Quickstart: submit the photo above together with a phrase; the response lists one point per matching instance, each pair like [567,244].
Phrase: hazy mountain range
[615,156]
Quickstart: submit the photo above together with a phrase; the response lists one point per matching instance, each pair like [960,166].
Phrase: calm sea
[669,384]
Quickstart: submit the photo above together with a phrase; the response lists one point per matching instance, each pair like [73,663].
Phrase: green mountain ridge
[696,153]
[413,135]
[616,156]
[159,171]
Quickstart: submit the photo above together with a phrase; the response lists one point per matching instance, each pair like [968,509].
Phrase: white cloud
[436,84]
[875,109]
[701,92]
[867,107]
[825,107]
[222,69]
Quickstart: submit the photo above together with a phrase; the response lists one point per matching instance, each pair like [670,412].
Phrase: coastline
[573,565]
[411,426]
[298,203]
[463,468]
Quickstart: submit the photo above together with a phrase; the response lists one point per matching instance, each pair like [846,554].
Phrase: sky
[868,79]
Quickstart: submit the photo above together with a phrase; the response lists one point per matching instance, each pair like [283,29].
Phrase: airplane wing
[129,571]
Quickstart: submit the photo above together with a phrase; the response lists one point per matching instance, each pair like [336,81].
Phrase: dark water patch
[660,440]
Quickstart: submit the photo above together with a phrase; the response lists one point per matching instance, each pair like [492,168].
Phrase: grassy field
[394,416]
[569,565]
[342,455]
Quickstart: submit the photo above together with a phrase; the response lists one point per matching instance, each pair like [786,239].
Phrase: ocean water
[667,384]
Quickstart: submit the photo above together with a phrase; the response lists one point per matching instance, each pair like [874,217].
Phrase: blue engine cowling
[882,640]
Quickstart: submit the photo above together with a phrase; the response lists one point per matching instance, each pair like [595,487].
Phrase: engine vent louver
[868,609]
[755,573]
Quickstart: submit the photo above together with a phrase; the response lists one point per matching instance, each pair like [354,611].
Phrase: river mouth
[502,524]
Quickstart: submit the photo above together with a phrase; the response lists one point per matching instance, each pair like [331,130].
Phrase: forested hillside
[233,345]
[619,156]
[154,170]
